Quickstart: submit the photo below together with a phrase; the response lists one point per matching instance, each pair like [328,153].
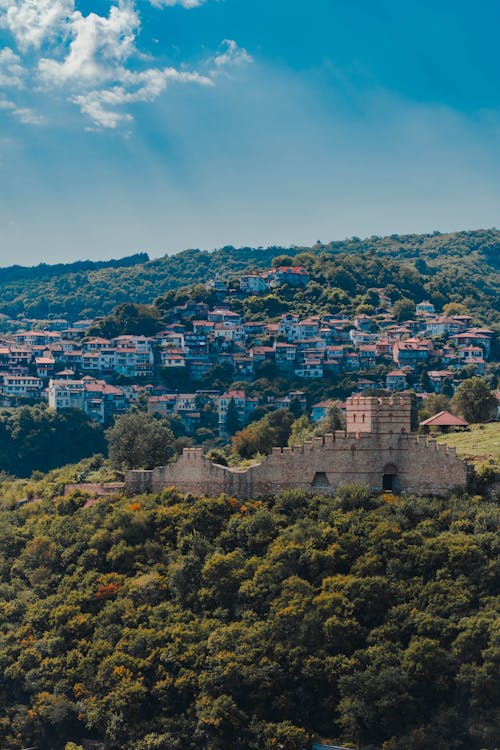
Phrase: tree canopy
[174,622]
[474,400]
[129,319]
[139,441]
[261,436]
[459,267]
[34,438]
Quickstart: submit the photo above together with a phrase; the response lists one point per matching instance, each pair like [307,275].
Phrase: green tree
[433,404]
[302,430]
[334,420]
[164,622]
[364,309]
[282,736]
[404,309]
[139,441]
[36,438]
[128,318]
[232,422]
[474,400]
[262,436]
[296,407]
[455,308]
[283,260]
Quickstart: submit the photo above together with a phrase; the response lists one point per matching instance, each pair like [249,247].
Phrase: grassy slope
[479,443]
[50,485]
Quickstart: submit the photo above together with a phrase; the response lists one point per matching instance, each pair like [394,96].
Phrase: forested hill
[461,266]
[44,271]
[161,623]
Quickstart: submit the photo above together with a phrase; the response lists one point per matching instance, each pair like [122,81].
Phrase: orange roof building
[444,419]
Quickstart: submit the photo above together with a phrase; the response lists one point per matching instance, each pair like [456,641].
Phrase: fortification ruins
[377,449]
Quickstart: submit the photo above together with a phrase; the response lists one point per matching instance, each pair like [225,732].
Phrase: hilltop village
[208,359]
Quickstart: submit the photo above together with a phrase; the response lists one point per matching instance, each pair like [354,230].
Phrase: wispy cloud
[28,116]
[231,54]
[93,59]
[183,3]
[102,106]
[11,70]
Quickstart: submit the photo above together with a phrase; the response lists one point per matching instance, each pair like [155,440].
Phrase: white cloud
[101,105]
[98,45]
[11,69]
[28,116]
[6,104]
[33,22]
[232,54]
[91,60]
[96,105]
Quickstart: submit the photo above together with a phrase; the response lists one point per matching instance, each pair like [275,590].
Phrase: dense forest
[34,438]
[44,271]
[461,266]
[163,622]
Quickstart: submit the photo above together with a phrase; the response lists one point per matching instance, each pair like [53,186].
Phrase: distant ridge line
[46,270]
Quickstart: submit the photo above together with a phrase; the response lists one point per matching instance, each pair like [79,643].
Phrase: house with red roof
[443,421]
[438,377]
[396,380]
[292,275]
[412,351]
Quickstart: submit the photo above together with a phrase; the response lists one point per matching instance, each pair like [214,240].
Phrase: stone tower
[378,415]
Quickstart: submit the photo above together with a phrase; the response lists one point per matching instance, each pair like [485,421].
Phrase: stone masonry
[377,449]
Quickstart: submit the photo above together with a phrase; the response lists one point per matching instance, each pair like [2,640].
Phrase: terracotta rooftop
[444,419]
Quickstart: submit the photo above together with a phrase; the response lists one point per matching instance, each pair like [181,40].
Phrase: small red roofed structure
[444,420]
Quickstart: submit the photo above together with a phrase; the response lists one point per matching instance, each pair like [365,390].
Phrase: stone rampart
[389,460]
[377,449]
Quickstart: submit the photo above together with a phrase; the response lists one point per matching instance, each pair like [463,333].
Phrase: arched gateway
[390,481]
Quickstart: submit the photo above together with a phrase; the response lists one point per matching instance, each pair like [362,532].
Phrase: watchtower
[380,415]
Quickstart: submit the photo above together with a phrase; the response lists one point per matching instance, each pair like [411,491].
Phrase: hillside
[169,622]
[481,442]
[461,266]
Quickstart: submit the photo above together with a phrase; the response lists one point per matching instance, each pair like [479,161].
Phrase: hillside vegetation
[481,442]
[169,622]
[461,266]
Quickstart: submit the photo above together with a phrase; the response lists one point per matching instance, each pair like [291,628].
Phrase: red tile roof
[444,419]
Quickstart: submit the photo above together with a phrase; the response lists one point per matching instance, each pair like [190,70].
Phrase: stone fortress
[377,449]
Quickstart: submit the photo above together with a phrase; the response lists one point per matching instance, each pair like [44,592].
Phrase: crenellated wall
[417,465]
[377,449]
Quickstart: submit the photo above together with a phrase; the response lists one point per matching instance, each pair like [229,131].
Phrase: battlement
[376,414]
[396,460]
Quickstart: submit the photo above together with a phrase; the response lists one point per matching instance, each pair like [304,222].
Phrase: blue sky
[157,125]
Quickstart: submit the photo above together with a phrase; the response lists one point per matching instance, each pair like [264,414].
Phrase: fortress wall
[433,468]
[138,481]
[324,464]
[344,460]
[194,473]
